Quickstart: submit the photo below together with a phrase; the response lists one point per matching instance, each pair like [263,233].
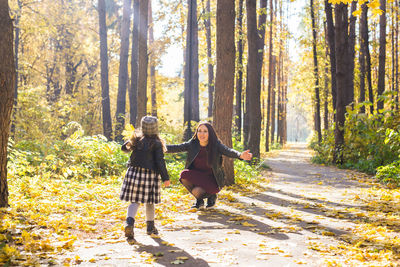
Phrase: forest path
[300,213]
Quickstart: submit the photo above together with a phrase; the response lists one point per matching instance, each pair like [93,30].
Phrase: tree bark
[210,66]
[7,83]
[152,65]
[192,64]
[317,116]
[254,79]
[123,70]
[134,64]
[270,77]
[107,126]
[382,55]
[224,80]
[332,49]
[16,58]
[361,58]
[143,60]
[397,55]
[352,42]
[239,77]
[343,76]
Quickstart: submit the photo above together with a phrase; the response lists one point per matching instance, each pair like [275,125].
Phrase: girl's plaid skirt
[141,186]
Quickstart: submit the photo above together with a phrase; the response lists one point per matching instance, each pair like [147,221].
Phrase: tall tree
[361,57]
[397,54]
[107,126]
[210,66]
[134,64]
[152,64]
[143,60]
[239,75]
[317,116]
[343,75]
[123,70]
[330,30]
[365,41]
[352,43]
[16,58]
[224,79]
[253,79]
[382,55]
[191,103]
[270,77]
[7,83]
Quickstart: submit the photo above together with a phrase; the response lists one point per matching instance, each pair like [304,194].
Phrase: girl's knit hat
[149,125]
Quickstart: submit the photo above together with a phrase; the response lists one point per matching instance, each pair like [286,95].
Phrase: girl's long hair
[137,138]
[212,141]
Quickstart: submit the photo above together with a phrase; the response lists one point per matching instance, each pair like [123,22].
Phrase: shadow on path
[166,253]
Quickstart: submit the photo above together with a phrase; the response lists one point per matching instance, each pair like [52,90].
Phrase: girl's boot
[151,229]
[130,222]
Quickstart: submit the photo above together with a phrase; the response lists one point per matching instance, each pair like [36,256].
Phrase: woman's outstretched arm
[178,148]
[232,153]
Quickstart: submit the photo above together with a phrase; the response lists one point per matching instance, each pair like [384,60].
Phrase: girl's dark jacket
[148,155]
[192,147]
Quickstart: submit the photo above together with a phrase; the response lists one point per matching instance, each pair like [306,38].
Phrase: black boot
[130,222]
[211,200]
[151,229]
[199,203]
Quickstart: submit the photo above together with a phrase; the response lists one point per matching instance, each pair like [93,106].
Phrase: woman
[203,175]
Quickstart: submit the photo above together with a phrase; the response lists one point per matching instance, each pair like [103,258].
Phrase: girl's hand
[246,155]
[166,183]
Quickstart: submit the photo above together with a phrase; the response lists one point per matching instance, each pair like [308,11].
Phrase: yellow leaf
[248,224]
[92,260]
[182,258]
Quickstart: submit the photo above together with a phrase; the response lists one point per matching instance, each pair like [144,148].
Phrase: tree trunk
[134,64]
[332,49]
[326,83]
[123,70]
[273,98]
[152,65]
[239,77]
[361,58]
[107,127]
[224,80]
[382,55]
[317,116]
[7,83]
[192,64]
[16,58]
[365,38]
[343,76]
[210,66]
[352,42]
[270,77]
[143,60]
[254,79]
[397,56]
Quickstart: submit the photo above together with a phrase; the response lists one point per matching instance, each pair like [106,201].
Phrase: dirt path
[303,208]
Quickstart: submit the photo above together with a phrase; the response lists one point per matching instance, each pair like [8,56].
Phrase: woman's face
[202,133]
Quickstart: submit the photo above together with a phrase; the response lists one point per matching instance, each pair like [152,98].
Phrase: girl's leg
[130,220]
[151,228]
[132,210]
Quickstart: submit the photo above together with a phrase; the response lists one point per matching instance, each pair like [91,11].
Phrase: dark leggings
[196,191]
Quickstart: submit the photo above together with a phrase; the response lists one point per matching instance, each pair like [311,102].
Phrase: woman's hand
[166,183]
[246,155]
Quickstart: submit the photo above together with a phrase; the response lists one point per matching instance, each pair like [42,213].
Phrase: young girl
[142,179]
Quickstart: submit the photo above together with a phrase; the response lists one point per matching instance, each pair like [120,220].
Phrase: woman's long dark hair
[212,141]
